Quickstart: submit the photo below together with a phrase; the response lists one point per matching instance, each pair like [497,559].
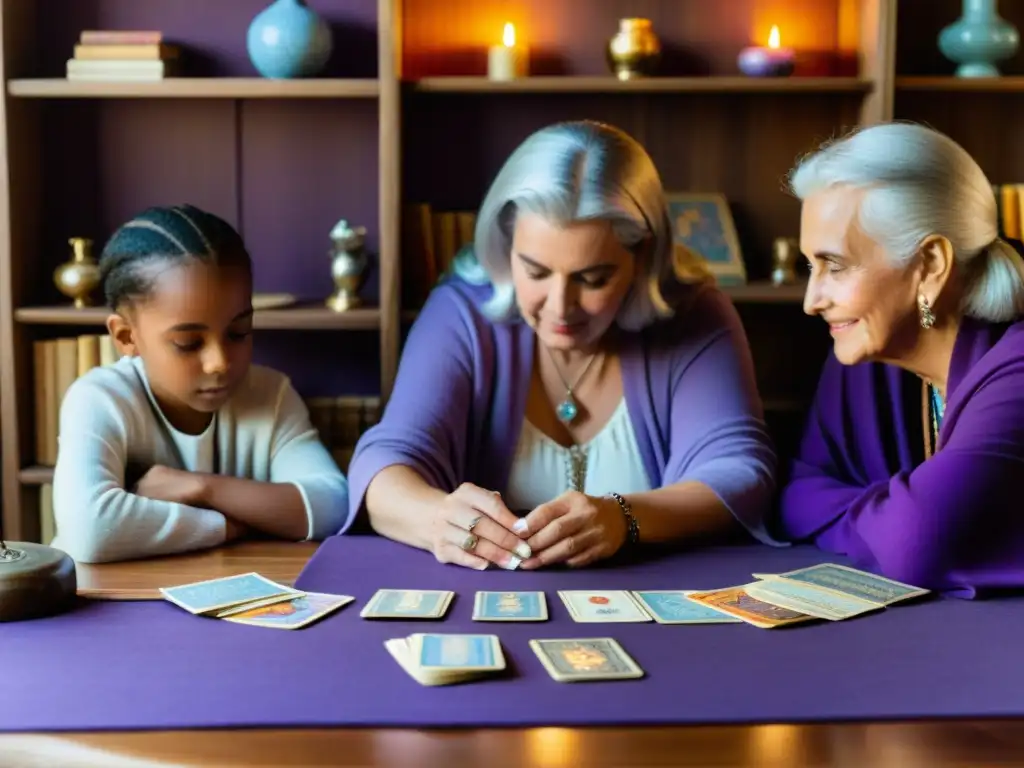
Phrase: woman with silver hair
[577,387]
[913,456]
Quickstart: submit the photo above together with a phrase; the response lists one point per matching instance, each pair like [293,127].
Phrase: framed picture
[703,223]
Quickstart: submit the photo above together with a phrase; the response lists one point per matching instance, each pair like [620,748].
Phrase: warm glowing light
[773,37]
[553,747]
[509,60]
[775,746]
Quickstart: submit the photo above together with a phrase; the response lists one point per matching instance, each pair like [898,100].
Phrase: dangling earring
[927,316]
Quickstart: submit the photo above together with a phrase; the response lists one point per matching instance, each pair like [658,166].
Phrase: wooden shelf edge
[308,318]
[37,475]
[755,292]
[198,88]
[587,84]
[1007,84]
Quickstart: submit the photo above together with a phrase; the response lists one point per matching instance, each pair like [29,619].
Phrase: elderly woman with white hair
[578,387]
[912,463]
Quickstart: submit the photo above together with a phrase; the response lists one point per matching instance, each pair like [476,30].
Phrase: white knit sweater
[109,421]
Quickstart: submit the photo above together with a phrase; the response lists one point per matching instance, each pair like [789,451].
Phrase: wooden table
[965,744]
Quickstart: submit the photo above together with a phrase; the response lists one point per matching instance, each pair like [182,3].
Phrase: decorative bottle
[348,265]
[635,50]
[80,276]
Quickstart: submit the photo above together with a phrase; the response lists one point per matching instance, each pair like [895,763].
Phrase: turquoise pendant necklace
[567,410]
[938,409]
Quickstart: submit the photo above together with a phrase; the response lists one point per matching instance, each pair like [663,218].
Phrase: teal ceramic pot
[288,40]
[978,39]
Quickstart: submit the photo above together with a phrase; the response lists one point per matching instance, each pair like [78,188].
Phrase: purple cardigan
[860,485]
[460,399]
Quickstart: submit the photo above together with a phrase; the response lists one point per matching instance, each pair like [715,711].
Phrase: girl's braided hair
[176,233]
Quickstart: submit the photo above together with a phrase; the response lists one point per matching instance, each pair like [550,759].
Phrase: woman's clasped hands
[474,528]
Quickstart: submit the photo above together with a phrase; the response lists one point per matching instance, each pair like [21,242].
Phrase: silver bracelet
[632,526]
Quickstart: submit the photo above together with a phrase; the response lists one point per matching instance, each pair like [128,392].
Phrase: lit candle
[773,61]
[508,60]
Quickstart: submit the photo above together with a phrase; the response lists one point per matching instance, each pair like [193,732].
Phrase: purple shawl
[460,399]
[860,485]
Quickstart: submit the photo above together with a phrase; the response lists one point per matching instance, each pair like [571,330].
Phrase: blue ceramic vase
[978,39]
[288,40]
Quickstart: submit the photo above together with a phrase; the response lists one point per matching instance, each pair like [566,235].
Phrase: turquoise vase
[288,40]
[978,39]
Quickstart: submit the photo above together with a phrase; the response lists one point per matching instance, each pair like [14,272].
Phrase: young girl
[182,444]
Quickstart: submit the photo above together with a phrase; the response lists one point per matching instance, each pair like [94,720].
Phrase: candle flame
[508,37]
[773,37]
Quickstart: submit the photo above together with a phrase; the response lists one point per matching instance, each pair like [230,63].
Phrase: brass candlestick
[785,255]
[635,50]
[78,278]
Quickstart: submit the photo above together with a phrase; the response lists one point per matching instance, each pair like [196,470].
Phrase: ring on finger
[473,522]
[469,543]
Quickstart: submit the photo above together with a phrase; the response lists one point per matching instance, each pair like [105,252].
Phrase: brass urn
[635,51]
[79,277]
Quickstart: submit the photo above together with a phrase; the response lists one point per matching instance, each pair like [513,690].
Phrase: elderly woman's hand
[473,527]
[575,529]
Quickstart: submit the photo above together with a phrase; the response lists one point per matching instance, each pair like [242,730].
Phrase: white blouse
[543,470]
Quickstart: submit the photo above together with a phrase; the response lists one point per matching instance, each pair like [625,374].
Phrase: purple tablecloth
[151,665]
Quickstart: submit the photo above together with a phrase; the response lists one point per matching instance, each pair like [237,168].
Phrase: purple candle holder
[767,61]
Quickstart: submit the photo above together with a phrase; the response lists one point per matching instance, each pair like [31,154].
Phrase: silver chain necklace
[567,410]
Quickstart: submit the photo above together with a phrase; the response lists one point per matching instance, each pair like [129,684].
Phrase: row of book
[57,363]
[430,241]
[122,55]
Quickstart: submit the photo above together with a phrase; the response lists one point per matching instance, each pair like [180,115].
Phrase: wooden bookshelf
[583,84]
[196,88]
[298,318]
[35,475]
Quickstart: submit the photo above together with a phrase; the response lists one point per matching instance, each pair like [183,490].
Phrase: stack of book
[122,55]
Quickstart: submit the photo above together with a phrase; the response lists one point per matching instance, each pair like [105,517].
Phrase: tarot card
[457,653]
[510,606]
[407,604]
[398,647]
[592,606]
[448,658]
[591,658]
[851,582]
[291,594]
[805,598]
[292,614]
[734,601]
[204,597]
[672,606]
